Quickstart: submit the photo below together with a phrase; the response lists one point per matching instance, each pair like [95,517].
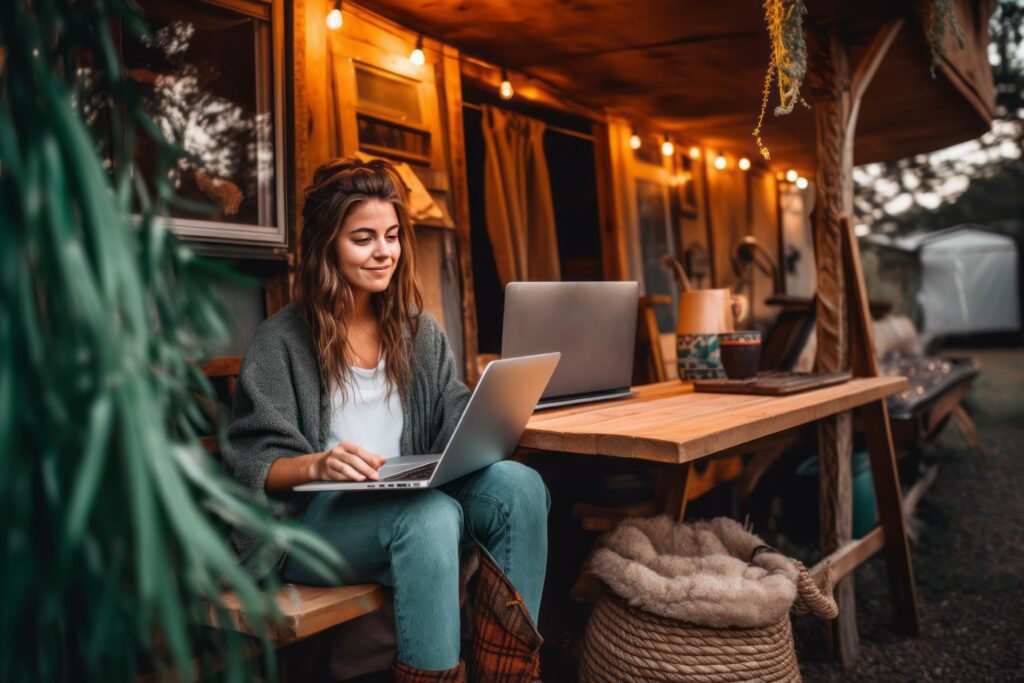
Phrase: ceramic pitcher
[703,315]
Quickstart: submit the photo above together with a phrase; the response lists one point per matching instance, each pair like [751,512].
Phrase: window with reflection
[207,71]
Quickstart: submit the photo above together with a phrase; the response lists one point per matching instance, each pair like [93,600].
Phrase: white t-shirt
[368,417]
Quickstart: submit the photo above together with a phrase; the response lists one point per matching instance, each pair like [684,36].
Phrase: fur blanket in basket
[700,572]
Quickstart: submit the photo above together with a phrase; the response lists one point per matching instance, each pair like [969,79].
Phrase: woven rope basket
[624,643]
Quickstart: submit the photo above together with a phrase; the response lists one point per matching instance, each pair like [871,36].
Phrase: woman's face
[368,246]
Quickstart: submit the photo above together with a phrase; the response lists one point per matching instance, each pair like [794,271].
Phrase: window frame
[274,235]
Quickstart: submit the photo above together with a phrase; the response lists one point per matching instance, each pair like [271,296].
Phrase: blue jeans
[410,541]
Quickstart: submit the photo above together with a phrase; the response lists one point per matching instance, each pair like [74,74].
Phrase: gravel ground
[968,557]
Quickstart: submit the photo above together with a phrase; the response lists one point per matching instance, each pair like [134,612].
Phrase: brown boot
[402,673]
[504,645]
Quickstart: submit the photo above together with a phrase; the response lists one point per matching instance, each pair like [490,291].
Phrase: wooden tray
[772,383]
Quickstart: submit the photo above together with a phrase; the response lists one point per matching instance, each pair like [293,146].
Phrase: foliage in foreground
[112,537]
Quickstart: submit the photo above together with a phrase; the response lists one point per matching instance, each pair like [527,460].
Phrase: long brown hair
[325,297]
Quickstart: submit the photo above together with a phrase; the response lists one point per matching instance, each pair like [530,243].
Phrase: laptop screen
[592,324]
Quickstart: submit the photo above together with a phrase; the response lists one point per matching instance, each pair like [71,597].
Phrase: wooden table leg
[674,494]
[890,511]
[835,482]
[967,429]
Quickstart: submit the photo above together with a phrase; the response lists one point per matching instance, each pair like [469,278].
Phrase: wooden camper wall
[705,211]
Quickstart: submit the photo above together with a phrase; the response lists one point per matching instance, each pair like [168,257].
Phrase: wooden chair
[306,610]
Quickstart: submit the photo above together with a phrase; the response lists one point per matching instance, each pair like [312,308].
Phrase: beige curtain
[517,197]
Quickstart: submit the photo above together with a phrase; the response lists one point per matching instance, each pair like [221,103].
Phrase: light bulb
[505,89]
[667,148]
[634,141]
[334,19]
[695,152]
[416,56]
[720,162]
[801,183]
[780,176]
[791,175]
[744,164]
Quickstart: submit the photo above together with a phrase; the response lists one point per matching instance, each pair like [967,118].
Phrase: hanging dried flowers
[938,17]
[788,62]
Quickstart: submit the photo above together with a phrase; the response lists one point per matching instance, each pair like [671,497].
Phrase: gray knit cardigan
[282,409]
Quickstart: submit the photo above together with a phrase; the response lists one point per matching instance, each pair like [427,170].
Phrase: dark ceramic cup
[741,353]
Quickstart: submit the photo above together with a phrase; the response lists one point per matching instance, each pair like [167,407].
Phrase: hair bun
[334,167]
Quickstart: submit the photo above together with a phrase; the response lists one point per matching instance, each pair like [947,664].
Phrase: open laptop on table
[487,432]
[592,324]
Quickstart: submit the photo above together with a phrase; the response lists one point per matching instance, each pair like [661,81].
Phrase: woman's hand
[346,462]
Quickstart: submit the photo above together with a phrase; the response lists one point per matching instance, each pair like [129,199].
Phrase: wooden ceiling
[695,68]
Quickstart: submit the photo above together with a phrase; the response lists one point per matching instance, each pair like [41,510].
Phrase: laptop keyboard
[422,472]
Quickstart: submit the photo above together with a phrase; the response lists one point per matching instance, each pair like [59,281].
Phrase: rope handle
[810,599]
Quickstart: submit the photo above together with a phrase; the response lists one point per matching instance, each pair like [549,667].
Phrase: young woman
[350,374]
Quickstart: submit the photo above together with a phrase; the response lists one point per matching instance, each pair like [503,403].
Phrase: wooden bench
[306,610]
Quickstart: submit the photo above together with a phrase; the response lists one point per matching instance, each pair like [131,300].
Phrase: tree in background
[112,537]
[978,181]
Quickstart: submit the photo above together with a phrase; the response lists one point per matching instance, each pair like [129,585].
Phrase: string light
[634,139]
[667,148]
[416,56]
[505,90]
[721,162]
[780,176]
[792,175]
[695,152]
[334,18]
[744,164]
[801,183]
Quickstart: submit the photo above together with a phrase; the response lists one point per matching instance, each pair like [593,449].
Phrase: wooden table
[669,423]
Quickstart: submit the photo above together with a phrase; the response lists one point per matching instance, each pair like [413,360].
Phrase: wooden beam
[862,357]
[848,557]
[452,87]
[867,68]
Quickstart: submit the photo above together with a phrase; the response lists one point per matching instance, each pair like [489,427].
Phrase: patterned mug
[698,356]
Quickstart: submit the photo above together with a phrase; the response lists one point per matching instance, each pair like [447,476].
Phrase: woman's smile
[368,247]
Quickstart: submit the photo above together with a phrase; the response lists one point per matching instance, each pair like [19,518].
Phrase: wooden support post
[835,437]
[837,101]
[835,434]
[877,429]
[890,512]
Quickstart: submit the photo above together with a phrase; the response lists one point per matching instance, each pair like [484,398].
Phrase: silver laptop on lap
[487,432]
[592,324]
